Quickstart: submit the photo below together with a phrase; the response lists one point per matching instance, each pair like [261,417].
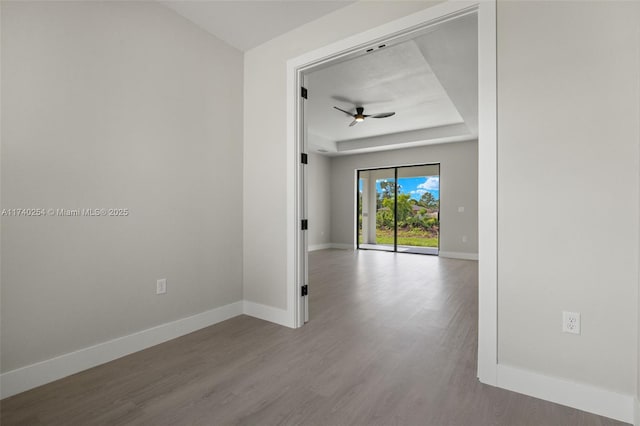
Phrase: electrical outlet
[464,239]
[571,322]
[161,286]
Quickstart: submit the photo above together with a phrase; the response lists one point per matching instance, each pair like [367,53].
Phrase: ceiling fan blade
[346,112]
[353,123]
[383,115]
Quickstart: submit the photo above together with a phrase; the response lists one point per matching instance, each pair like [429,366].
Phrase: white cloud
[432,183]
[419,191]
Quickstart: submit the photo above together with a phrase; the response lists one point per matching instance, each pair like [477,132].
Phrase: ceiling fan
[360,116]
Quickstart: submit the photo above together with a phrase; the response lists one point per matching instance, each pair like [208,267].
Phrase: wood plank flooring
[392,341]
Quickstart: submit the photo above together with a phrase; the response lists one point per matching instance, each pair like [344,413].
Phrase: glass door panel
[418,200]
[376,209]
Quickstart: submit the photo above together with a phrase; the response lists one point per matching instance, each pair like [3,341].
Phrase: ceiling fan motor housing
[359,115]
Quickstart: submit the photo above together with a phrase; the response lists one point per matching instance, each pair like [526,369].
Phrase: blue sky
[416,186]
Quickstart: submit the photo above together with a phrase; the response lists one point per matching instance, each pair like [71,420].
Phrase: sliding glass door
[399,209]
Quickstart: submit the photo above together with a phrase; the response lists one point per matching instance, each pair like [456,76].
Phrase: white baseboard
[458,255]
[267,313]
[637,412]
[572,394]
[314,247]
[34,375]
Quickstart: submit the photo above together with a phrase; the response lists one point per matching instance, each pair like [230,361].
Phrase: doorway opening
[398,209]
[414,88]
[297,147]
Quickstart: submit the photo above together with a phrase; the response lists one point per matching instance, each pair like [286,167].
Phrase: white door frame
[487,162]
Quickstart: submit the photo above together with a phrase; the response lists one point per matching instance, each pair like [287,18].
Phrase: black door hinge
[304,158]
[303,92]
[304,225]
[305,290]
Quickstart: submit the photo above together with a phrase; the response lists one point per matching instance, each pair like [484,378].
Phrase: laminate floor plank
[392,341]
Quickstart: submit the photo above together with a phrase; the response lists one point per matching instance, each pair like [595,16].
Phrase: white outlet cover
[460,209]
[161,286]
[571,322]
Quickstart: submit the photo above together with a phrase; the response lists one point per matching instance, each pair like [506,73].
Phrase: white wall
[115,104]
[458,188]
[568,163]
[319,201]
[265,138]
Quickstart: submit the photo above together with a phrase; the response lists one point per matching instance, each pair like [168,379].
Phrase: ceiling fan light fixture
[359,116]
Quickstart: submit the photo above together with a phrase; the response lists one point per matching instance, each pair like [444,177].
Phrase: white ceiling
[430,81]
[247,24]
[396,78]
